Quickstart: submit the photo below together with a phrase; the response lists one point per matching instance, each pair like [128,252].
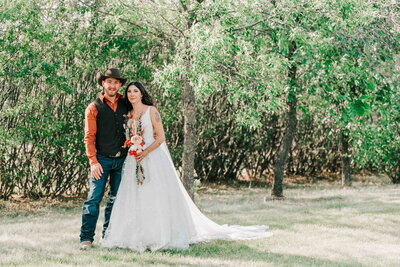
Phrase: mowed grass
[313,226]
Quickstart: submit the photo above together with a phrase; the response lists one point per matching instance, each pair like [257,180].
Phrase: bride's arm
[158,131]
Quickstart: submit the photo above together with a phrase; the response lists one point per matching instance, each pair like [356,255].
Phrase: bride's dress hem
[155,248]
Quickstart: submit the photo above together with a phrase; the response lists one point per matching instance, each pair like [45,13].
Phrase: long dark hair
[146,99]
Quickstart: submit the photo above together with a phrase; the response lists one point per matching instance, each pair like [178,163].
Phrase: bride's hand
[141,155]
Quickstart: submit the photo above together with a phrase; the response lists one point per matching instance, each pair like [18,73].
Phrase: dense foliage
[346,55]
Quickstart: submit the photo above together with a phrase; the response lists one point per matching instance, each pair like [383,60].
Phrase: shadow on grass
[226,250]
[215,253]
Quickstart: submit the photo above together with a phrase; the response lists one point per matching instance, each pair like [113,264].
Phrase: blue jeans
[112,167]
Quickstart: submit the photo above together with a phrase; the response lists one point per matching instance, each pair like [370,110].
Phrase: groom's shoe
[85,245]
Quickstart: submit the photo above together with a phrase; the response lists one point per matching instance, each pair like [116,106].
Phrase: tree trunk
[395,177]
[280,164]
[284,149]
[345,156]
[189,113]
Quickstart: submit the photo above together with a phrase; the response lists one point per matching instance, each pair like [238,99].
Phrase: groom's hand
[96,171]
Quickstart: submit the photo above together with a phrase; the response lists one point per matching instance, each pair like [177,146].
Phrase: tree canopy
[245,88]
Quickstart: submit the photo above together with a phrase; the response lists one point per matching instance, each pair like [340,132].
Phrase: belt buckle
[116,155]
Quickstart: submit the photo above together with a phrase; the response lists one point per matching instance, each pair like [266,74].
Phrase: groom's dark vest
[110,136]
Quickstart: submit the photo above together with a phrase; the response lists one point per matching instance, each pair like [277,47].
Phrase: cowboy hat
[110,73]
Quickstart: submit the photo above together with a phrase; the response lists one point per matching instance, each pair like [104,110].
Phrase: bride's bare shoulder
[155,114]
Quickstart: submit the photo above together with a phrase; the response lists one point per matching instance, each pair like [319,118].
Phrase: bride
[152,209]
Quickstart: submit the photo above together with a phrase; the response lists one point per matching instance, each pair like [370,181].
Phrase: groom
[104,140]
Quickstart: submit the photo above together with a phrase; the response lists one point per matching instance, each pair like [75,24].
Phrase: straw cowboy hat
[110,73]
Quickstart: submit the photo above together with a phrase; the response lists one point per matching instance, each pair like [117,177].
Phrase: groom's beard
[111,92]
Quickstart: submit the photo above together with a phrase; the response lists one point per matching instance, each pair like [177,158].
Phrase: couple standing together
[148,207]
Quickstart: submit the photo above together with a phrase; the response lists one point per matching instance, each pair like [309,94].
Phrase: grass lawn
[317,225]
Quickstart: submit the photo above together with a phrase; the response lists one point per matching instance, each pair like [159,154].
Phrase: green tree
[360,42]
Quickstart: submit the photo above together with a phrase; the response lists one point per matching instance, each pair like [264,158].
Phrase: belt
[119,154]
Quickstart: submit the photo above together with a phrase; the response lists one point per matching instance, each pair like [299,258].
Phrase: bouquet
[135,144]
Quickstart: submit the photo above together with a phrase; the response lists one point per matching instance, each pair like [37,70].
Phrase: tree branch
[158,35]
[249,26]
[174,26]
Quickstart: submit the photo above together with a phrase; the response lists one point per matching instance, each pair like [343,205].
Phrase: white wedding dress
[159,214]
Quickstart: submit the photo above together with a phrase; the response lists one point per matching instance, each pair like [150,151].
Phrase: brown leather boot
[85,245]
